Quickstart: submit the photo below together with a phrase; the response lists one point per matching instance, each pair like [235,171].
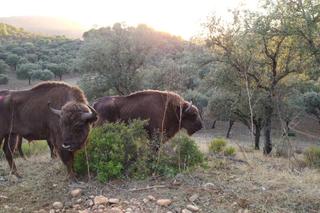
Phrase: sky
[178,17]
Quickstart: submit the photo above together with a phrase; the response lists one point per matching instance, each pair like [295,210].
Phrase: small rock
[145,200]
[164,202]
[54,185]
[186,211]
[57,205]
[243,211]
[89,203]
[115,210]
[2,197]
[151,198]
[101,207]
[114,200]
[169,212]
[91,196]
[208,185]
[193,197]
[51,211]
[100,200]
[42,211]
[78,201]
[193,208]
[76,192]
[128,210]
[84,211]
[76,206]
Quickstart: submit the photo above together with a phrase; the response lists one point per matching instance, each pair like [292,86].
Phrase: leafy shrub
[312,156]
[187,153]
[116,150]
[217,145]
[229,151]
[4,79]
[111,150]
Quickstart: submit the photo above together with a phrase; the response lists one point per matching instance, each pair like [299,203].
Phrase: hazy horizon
[181,18]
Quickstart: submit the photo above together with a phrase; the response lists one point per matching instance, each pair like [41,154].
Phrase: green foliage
[312,156]
[187,154]
[229,151]
[24,71]
[111,149]
[217,145]
[33,148]
[118,150]
[3,79]
[43,75]
[4,68]
[311,102]
[13,60]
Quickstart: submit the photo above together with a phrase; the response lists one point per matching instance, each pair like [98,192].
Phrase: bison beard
[166,111]
[65,123]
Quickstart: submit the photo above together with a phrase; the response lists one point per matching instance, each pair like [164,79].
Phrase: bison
[166,111]
[52,111]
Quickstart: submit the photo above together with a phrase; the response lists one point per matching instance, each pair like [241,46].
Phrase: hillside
[49,26]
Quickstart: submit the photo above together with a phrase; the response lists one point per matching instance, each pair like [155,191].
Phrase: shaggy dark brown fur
[26,113]
[166,111]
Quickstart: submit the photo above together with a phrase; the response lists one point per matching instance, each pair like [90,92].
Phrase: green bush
[112,149]
[312,156]
[217,145]
[229,151]
[118,150]
[187,153]
[4,79]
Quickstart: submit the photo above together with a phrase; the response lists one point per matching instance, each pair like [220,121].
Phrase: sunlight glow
[179,17]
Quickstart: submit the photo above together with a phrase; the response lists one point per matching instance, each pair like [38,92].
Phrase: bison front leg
[52,149]
[67,158]
[8,149]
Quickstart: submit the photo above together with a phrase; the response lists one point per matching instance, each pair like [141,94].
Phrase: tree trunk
[29,81]
[231,122]
[214,124]
[267,129]
[60,76]
[257,135]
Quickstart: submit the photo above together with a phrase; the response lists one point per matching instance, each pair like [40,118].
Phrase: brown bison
[52,111]
[166,111]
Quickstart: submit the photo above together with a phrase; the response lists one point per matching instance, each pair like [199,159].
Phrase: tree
[4,68]
[57,69]
[24,71]
[116,55]
[43,75]
[13,60]
[255,48]
[311,102]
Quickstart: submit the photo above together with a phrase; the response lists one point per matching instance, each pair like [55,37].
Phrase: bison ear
[55,111]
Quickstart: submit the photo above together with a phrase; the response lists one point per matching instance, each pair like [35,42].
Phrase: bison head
[75,119]
[190,118]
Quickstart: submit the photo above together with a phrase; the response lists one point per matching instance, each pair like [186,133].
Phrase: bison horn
[55,111]
[89,115]
[189,106]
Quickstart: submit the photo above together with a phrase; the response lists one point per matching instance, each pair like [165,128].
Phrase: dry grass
[269,184]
